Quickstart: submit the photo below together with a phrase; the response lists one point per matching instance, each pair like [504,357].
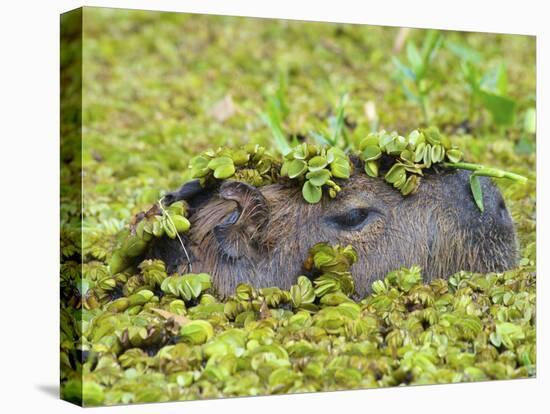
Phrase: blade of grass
[338,128]
[279,138]
[321,138]
[277,111]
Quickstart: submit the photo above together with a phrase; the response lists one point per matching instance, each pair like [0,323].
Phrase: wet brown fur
[262,236]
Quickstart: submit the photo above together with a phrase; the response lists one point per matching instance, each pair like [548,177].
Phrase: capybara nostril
[502,211]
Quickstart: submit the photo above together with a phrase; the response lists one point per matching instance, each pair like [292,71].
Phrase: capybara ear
[241,232]
[191,192]
[185,193]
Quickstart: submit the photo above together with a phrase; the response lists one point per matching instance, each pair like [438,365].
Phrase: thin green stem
[485,171]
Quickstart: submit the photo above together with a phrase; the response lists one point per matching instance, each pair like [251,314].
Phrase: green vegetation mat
[160,88]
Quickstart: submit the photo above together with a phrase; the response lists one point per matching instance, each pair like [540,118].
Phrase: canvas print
[259,206]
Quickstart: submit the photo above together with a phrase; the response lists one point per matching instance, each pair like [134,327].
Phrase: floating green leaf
[312,193]
[188,286]
[197,332]
[318,177]
[317,163]
[296,168]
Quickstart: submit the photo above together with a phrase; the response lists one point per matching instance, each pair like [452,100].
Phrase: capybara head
[261,236]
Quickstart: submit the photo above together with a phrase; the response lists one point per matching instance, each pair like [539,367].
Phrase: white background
[29,177]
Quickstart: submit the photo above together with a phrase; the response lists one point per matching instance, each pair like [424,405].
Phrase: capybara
[261,236]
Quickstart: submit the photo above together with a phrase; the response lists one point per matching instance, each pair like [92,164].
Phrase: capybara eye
[353,219]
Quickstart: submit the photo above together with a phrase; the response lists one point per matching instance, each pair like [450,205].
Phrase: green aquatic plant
[412,154]
[490,90]
[252,164]
[316,168]
[472,327]
[335,135]
[332,265]
[414,76]
[156,222]
[276,113]
[187,287]
[319,167]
